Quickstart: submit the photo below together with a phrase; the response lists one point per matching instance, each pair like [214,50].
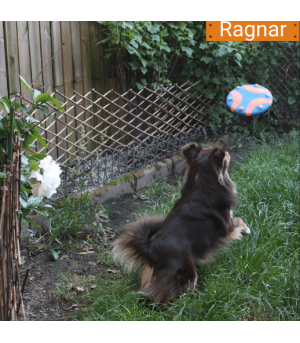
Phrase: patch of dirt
[46,272]
[239,154]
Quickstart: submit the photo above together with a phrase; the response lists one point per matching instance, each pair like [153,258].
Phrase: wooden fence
[27,46]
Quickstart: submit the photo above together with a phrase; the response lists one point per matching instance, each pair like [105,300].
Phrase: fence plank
[46,56]
[102,83]
[85,56]
[48,80]
[67,57]
[86,69]
[95,52]
[58,80]
[68,76]
[3,73]
[76,51]
[24,55]
[35,53]
[36,64]
[12,57]
[94,37]
[103,62]
[77,64]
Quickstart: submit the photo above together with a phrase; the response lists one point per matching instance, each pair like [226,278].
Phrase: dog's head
[208,160]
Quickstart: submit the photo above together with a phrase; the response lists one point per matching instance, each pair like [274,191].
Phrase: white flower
[49,179]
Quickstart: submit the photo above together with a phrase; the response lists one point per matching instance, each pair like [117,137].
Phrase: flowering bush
[40,175]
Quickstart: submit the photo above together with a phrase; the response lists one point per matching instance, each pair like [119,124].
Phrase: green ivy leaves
[163,52]
[291,100]
[150,45]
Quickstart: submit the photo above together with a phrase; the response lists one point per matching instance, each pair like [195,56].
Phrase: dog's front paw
[246,231]
[239,224]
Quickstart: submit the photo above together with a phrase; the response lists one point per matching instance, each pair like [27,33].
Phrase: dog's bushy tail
[132,248]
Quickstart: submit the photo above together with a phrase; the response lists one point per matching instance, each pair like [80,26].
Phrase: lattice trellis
[94,122]
[100,137]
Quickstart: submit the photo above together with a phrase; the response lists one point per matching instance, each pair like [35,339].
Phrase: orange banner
[252,31]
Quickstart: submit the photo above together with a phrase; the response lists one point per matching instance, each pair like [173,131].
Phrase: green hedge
[152,53]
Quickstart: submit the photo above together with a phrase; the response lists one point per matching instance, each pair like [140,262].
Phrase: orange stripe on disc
[255,89]
[237,99]
[255,103]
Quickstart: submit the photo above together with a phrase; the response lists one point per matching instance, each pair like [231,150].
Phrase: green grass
[253,279]
[75,215]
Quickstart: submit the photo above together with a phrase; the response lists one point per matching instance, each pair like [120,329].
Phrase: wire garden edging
[97,170]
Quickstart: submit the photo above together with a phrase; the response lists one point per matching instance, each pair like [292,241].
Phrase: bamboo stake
[19,237]
[7,252]
[3,207]
[2,285]
[3,253]
[22,290]
[11,133]
[20,296]
[10,237]
[13,312]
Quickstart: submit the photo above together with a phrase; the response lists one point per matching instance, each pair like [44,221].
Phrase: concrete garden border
[130,183]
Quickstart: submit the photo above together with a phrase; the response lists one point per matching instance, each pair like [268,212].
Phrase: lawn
[253,279]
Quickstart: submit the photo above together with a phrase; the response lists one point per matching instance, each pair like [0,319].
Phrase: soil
[45,272]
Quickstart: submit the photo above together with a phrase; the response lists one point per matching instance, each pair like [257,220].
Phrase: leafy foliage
[147,52]
[151,53]
[26,128]
[74,216]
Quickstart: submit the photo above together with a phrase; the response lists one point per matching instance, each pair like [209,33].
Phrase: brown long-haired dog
[199,223]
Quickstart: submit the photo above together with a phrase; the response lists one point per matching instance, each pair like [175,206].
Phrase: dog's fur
[200,222]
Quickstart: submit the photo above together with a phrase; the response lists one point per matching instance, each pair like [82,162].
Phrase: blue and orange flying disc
[249,100]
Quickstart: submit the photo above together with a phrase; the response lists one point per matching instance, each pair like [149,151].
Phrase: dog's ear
[191,150]
[219,154]
[218,157]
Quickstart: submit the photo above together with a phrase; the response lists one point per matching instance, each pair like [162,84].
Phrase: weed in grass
[55,254]
[72,285]
[164,195]
[77,215]
[105,258]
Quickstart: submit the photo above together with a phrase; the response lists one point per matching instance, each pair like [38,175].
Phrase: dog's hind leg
[146,274]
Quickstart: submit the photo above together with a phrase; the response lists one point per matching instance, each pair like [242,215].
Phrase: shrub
[151,53]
